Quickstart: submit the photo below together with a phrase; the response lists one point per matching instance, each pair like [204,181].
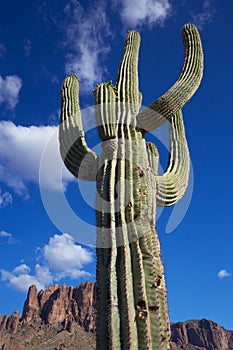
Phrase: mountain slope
[63,318]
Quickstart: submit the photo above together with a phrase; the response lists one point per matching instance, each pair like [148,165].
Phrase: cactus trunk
[131,292]
[132,309]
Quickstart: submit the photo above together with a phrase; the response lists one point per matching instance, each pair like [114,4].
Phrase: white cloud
[8,237]
[143,12]
[5,234]
[60,258]
[86,33]
[72,274]
[205,16]
[223,273]
[5,199]
[21,278]
[21,149]
[61,253]
[9,90]
[21,269]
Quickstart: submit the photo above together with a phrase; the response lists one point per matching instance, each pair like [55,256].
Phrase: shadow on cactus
[132,307]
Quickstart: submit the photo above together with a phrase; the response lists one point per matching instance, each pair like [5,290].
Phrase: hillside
[63,318]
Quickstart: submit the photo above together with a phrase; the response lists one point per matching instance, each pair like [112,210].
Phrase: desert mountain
[63,318]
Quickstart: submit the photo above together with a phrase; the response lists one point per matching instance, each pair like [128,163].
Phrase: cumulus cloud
[205,16]
[61,253]
[143,12]
[21,150]
[7,237]
[86,33]
[223,273]
[73,274]
[66,258]
[9,90]
[60,258]
[5,199]
[21,278]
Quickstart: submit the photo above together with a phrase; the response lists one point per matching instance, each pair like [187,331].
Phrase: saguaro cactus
[132,308]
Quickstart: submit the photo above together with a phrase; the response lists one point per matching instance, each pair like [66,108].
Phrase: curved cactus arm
[78,158]
[127,77]
[172,184]
[183,89]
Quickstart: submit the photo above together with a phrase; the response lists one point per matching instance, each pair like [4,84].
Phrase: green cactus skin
[131,292]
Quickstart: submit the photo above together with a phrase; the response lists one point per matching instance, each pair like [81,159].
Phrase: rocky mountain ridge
[63,317]
[200,335]
[62,305]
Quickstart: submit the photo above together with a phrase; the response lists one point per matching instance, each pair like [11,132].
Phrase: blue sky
[47,221]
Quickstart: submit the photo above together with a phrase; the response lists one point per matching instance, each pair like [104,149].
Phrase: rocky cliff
[59,317]
[62,306]
[200,335]
[62,318]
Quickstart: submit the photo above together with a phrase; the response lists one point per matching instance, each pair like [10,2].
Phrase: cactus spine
[131,293]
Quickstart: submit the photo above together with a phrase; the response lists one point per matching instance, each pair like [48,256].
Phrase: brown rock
[85,296]
[203,335]
[70,326]
[52,319]
[12,346]
[3,325]
[13,322]
[31,305]
[59,305]
[44,295]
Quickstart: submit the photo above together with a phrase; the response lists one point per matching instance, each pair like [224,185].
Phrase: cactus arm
[125,93]
[127,77]
[78,158]
[189,80]
[105,110]
[172,184]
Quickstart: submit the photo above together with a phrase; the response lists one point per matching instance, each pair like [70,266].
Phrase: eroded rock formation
[66,316]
